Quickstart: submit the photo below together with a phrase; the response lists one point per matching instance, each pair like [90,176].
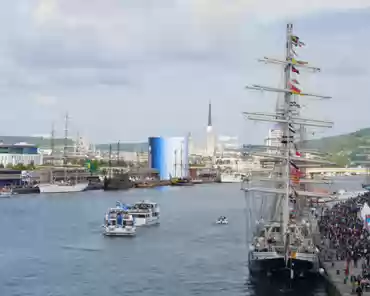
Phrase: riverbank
[343,244]
[335,275]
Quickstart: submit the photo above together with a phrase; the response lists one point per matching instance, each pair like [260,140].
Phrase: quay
[344,241]
[337,170]
[335,274]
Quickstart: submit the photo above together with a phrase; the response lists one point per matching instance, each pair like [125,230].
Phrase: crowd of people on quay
[346,237]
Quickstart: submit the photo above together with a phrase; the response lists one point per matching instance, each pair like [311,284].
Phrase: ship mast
[52,143]
[65,148]
[181,164]
[175,164]
[286,130]
[288,117]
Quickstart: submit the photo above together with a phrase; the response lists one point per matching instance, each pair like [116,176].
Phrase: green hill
[39,141]
[343,148]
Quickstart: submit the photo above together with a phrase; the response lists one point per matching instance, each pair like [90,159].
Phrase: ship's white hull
[120,231]
[147,221]
[224,178]
[60,188]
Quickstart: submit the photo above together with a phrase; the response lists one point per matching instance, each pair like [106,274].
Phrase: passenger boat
[145,213]
[119,222]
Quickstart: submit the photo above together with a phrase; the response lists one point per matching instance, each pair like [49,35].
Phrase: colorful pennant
[294,90]
[297,62]
[297,42]
[295,70]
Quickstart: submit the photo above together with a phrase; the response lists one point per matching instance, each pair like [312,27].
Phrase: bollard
[338,272]
[332,264]
[345,281]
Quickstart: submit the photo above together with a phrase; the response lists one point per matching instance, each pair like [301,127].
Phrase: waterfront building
[21,153]
[227,143]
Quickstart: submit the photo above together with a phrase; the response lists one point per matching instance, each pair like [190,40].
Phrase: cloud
[45,100]
[152,66]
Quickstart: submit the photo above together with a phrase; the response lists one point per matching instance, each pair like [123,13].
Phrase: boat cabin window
[140,215]
[128,223]
[275,229]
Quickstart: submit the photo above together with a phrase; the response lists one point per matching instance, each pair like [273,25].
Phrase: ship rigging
[283,233]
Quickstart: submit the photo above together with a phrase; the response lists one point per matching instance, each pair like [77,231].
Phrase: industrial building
[170,156]
[20,153]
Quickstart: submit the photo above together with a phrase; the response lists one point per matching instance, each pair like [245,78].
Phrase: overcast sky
[129,69]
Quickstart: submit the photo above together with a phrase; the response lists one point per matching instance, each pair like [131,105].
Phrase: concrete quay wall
[336,285]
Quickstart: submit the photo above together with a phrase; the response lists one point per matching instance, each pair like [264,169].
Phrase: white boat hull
[147,221]
[119,231]
[60,188]
[5,194]
[224,178]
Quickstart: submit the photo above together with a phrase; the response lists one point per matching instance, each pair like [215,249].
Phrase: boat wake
[81,248]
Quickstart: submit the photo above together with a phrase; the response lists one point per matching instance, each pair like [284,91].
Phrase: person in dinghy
[222,220]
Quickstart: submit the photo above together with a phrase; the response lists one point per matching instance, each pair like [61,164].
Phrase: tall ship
[118,179]
[278,216]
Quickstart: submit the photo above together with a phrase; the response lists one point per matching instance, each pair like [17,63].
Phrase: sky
[129,69]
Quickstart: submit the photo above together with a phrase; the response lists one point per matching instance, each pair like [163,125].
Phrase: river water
[52,245]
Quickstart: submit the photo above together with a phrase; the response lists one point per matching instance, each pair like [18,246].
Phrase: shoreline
[339,284]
